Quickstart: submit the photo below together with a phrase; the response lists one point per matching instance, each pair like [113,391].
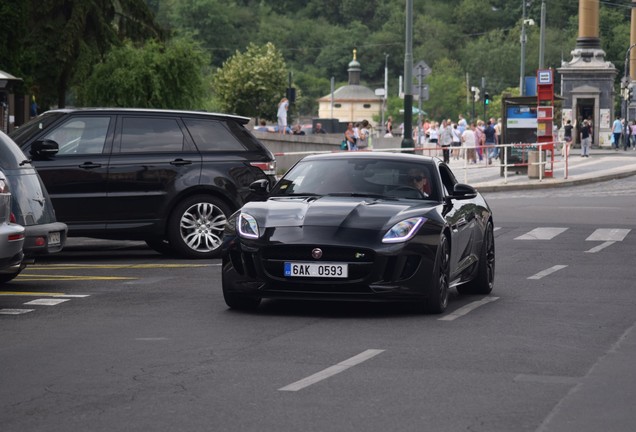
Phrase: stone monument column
[588,24]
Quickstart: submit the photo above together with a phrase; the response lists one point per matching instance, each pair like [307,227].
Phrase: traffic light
[486,99]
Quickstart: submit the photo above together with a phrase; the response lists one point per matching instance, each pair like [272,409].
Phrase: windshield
[360,177]
[34,126]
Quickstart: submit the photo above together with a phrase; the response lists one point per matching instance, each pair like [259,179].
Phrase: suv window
[212,135]
[151,135]
[81,135]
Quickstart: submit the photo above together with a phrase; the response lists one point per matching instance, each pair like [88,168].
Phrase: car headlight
[403,230]
[247,226]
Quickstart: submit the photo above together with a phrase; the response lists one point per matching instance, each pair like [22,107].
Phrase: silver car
[11,236]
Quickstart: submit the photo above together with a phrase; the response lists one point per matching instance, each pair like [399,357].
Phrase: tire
[484,281]
[160,245]
[7,277]
[196,225]
[438,293]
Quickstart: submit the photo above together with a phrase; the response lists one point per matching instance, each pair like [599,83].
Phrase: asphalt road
[121,338]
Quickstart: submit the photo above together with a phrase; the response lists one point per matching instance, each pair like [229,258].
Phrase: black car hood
[343,212]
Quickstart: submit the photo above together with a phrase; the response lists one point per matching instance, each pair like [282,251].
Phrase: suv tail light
[268,168]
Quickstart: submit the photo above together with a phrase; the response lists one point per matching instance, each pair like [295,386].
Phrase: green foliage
[155,75]
[252,83]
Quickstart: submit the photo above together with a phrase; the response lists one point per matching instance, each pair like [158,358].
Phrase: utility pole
[522,71]
[407,140]
[542,36]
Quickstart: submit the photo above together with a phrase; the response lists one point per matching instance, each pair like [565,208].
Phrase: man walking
[586,139]
[617,130]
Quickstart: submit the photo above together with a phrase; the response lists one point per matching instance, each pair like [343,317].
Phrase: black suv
[170,178]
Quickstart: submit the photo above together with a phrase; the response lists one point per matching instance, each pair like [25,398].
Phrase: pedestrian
[490,140]
[388,130]
[457,141]
[567,139]
[446,139]
[617,131]
[350,137]
[363,138]
[318,129]
[480,139]
[461,124]
[283,106]
[298,130]
[627,135]
[633,134]
[586,139]
[469,141]
[433,135]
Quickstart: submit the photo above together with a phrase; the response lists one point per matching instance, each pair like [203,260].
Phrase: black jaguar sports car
[360,226]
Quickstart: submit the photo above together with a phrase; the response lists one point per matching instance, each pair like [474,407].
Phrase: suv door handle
[179,162]
[90,165]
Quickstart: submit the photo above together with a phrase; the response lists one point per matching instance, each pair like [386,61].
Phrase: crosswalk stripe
[608,234]
[7,311]
[542,234]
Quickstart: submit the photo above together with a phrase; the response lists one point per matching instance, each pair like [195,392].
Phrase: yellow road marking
[31,294]
[114,266]
[69,277]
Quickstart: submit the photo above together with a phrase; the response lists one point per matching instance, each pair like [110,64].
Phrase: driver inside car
[419,180]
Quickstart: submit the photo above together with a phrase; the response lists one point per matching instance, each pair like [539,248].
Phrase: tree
[66,37]
[252,83]
[446,90]
[154,75]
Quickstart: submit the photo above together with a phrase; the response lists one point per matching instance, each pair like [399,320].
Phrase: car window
[80,135]
[151,135]
[212,135]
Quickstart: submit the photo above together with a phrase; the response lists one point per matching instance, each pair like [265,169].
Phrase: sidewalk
[603,164]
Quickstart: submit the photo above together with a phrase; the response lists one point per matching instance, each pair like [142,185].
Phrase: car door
[76,175]
[152,161]
[461,219]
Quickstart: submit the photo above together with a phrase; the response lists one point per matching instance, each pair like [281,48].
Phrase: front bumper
[392,272]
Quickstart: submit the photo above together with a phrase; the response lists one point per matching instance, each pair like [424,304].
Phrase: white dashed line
[46,302]
[547,272]
[466,309]
[542,234]
[15,311]
[331,371]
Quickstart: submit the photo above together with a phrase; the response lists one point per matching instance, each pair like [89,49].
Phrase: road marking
[608,236]
[40,294]
[331,371]
[15,311]
[114,266]
[46,302]
[151,339]
[547,272]
[541,234]
[467,308]
[51,277]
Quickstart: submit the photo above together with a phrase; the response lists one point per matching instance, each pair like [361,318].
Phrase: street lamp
[407,140]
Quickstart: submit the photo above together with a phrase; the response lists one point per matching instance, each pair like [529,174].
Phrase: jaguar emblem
[316,253]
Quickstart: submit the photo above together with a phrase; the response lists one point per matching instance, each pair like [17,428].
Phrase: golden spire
[354,53]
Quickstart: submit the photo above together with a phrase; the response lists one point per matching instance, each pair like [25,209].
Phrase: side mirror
[44,148]
[463,191]
[260,187]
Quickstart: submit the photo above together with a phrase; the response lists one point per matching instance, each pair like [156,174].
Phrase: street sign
[421,68]
[416,92]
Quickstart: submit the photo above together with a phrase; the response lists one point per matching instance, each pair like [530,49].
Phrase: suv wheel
[195,228]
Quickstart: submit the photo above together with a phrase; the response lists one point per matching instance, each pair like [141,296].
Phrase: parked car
[11,236]
[30,204]
[361,226]
[170,178]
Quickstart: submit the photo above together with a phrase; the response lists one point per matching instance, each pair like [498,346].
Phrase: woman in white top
[469,141]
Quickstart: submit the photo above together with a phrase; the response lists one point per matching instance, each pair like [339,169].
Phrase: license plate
[54,238]
[322,270]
